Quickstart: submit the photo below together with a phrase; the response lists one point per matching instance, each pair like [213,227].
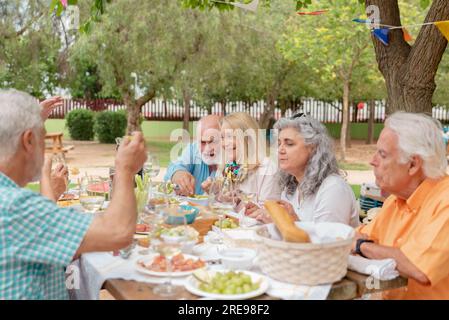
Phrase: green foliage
[209,4]
[110,125]
[29,47]
[80,123]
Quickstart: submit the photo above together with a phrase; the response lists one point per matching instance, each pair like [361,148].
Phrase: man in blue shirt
[37,238]
[199,160]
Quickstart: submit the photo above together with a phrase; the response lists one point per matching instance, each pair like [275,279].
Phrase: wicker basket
[302,263]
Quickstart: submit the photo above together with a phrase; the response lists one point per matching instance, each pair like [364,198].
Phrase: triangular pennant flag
[407,36]
[444,28]
[313,13]
[250,6]
[360,20]
[382,35]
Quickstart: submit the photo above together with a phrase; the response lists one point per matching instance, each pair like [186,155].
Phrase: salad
[230,283]
[227,224]
[180,232]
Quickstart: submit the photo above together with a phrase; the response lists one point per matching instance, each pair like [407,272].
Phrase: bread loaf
[285,223]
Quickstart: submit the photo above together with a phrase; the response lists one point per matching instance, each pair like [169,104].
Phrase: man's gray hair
[322,162]
[18,112]
[420,135]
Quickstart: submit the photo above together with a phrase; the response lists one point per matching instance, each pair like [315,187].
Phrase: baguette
[285,223]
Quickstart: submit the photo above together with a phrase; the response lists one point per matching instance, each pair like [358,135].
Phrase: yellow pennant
[444,28]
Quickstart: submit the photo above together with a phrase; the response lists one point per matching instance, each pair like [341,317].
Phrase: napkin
[321,232]
[244,221]
[379,269]
[288,291]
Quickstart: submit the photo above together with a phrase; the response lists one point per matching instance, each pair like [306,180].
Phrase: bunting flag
[382,35]
[313,13]
[361,20]
[250,6]
[407,36]
[64,3]
[443,26]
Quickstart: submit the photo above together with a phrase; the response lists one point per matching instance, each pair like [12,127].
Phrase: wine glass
[56,160]
[246,198]
[92,191]
[169,246]
[215,204]
[152,168]
[155,220]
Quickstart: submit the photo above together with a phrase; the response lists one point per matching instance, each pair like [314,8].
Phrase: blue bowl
[190,217]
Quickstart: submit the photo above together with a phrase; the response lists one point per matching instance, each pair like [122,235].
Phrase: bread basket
[305,263]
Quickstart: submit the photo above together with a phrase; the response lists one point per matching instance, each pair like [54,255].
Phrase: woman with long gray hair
[313,189]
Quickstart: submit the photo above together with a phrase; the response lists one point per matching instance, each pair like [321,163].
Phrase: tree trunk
[133,111]
[344,126]
[134,108]
[223,108]
[409,72]
[268,113]
[348,128]
[186,118]
[371,106]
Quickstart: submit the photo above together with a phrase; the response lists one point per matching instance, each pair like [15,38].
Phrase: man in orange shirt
[413,226]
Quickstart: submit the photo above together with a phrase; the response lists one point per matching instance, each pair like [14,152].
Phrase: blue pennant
[382,35]
[361,20]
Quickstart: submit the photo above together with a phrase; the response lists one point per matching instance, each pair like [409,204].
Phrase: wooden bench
[57,147]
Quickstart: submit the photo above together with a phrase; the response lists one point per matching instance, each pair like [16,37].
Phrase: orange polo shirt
[420,228]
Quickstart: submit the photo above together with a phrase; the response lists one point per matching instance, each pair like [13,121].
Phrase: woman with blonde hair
[244,157]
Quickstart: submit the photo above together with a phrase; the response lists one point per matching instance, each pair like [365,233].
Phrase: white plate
[244,221]
[150,258]
[192,286]
[198,201]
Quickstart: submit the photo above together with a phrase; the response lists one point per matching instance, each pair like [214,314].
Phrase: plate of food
[177,234]
[227,284]
[142,228]
[199,199]
[227,223]
[157,265]
[68,203]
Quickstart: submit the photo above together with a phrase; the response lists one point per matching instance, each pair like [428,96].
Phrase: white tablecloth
[96,268]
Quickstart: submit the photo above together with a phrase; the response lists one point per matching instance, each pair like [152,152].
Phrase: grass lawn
[33,187]
[36,188]
[356,188]
[354,166]
[150,129]
[162,150]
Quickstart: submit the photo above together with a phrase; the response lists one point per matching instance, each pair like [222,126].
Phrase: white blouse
[263,181]
[333,202]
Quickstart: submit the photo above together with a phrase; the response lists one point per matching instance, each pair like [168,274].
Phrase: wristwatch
[358,244]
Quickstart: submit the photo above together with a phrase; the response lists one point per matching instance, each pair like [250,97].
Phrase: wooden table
[351,287]
[57,146]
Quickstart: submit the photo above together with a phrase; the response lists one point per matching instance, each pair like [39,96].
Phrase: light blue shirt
[190,161]
[37,241]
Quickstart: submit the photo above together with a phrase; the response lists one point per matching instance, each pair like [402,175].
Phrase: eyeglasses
[298,115]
